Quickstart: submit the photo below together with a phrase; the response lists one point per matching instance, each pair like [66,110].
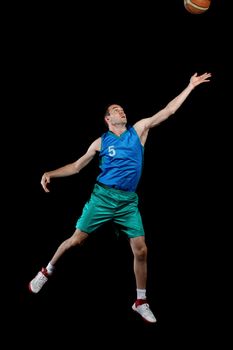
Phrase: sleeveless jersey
[121,160]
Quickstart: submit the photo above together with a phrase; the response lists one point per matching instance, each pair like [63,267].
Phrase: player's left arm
[142,126]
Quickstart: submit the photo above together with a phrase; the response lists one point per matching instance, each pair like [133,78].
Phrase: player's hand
[196,80]
[45,180]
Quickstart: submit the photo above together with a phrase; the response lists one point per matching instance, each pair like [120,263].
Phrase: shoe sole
[30,288]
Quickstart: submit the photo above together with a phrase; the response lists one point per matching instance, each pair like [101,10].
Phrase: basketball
[197,6]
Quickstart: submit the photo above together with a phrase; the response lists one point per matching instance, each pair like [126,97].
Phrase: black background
[65,65]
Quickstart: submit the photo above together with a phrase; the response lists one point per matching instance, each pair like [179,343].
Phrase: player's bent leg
[77,238]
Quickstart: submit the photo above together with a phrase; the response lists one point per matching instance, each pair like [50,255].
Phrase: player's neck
[117,129]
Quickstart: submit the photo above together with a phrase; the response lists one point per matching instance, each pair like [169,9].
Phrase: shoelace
[41,279]
[145,307]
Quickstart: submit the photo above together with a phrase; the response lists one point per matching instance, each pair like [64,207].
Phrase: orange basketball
[197,6]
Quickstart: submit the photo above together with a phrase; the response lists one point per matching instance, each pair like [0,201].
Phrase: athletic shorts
[110,204]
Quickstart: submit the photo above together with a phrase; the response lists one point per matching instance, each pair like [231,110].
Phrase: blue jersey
[121,160]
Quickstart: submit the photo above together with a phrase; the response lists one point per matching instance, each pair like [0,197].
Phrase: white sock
[50,268]
[141,293]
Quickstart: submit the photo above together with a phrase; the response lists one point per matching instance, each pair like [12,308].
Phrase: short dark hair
[106,114]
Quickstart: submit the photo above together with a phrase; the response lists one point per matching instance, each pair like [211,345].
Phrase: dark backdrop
[65,66]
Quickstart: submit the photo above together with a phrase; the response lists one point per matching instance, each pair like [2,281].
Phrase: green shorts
[110,204]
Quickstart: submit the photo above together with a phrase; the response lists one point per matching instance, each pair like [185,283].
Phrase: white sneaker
[37,283]
[142,307]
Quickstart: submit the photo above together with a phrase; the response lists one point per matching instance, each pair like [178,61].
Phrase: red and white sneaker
[142,307]
[37,282]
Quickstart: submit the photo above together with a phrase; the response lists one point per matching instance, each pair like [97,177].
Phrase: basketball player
[114,196]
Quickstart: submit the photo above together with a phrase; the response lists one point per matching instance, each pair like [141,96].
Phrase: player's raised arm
[143,125]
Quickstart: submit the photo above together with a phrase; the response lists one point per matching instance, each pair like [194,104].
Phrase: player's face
[117,114]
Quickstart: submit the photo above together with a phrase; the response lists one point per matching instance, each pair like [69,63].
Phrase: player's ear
[106,119]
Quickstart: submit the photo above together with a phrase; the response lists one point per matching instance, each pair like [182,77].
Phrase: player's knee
[141,253]
[77,238]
